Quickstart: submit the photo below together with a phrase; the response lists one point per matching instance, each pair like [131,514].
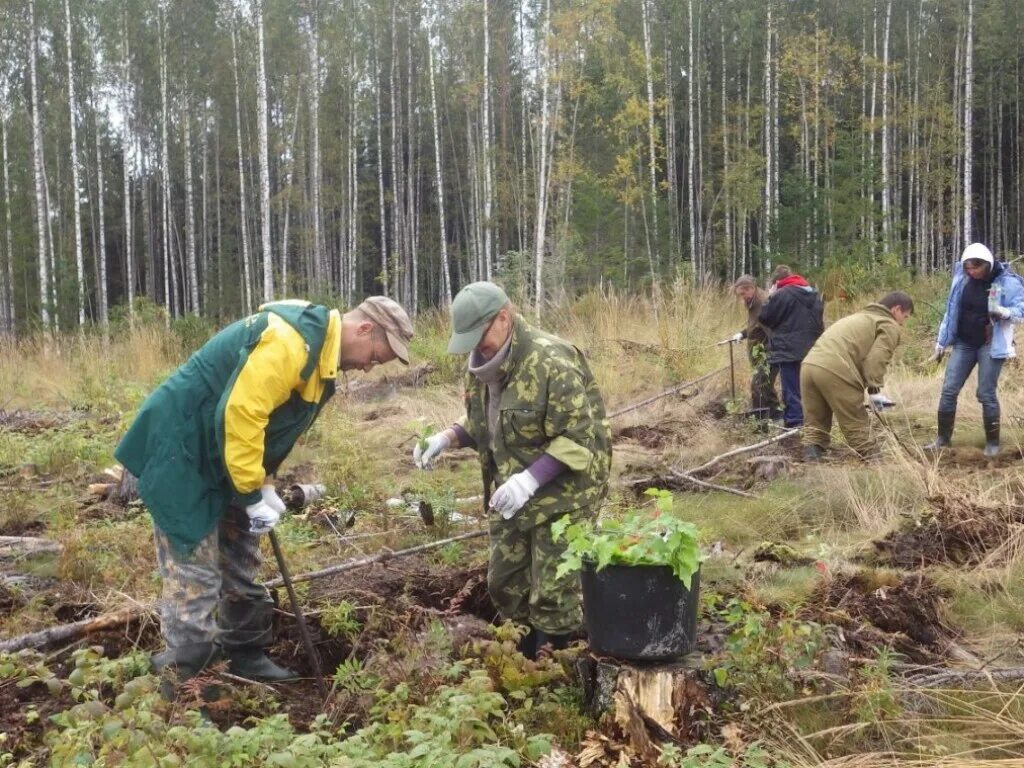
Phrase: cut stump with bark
[650,704]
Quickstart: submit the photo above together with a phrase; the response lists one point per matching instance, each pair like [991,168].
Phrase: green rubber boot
[254,664]
[247,630]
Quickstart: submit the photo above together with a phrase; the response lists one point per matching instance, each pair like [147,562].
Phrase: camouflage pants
[212,594]
[521,578]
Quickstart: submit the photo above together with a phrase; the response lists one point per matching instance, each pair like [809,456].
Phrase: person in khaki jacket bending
[850,357]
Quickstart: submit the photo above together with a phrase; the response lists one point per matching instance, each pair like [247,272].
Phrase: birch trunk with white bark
[261,121]
[76,170]
[242,219]
[39,171]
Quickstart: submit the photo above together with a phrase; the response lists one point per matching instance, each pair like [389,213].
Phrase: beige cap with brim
[472,309]
[393,320]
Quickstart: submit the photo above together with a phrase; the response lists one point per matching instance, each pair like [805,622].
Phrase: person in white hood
[985,300]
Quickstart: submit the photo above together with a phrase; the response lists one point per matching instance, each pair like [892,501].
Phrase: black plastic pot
[639,612]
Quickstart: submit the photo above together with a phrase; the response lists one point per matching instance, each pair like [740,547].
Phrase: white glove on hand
[436,444]
[513,494]
[880,402]
[940,352]
[736,337]
[271,499]
[262,517]
[1001,312]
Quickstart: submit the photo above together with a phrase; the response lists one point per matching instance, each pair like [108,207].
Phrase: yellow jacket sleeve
[265,382]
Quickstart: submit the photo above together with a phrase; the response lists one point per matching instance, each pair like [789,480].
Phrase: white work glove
[940,352]
[513,494]
[271,499]
[262,517]
[436,444]
[1001,312]
[880,402]
[736,337]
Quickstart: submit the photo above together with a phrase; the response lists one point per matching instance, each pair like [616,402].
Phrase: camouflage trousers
[212,594]
[521,577]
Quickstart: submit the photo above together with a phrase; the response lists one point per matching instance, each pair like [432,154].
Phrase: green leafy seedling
[426,431]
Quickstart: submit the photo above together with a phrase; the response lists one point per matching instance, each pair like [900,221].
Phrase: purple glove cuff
[465,441]
[545,469]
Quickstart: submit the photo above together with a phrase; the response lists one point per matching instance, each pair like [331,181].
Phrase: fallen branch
[667,392]
[745,449]
[73,631]
[378,558]
[710,486]
[962,678]
[20,546]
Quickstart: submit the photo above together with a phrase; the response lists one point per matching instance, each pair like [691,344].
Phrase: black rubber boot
[248,628]
[550,643]
[813,453]
[944,435]
[991,437]
[528,644]
[254,664]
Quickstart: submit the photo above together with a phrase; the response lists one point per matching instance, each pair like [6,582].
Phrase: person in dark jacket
[986,300]
[794,317]
[763,400]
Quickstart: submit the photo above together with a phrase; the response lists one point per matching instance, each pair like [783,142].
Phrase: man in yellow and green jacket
[204,446]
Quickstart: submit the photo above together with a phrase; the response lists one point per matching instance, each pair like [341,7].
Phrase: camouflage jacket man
[550,404]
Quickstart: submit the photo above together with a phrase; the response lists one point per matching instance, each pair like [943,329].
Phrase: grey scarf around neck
[489,372]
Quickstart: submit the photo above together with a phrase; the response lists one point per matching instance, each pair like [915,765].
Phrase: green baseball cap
[472,309]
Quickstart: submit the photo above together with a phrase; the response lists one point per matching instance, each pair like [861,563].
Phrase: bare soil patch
[958,529]
[877,610]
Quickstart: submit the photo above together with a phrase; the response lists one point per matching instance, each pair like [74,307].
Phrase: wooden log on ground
[22,546]
[73,631]
[650,703]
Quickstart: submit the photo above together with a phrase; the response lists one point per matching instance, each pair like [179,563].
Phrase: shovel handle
[307,641]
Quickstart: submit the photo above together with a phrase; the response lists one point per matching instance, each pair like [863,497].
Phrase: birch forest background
[207,155]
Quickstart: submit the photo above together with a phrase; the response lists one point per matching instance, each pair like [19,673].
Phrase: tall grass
[71,370]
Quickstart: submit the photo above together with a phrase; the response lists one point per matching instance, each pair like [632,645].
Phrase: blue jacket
[1012,298]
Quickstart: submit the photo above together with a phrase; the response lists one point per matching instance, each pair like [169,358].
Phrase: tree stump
[650,703]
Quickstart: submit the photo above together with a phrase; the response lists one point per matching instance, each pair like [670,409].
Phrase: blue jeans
[792,410]
[961,362]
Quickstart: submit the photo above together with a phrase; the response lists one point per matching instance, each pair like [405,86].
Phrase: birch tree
[540,223]
[652,252]
[8,229]
[446,279]
[76,170]
[261,122]
[968,124]
[243,217]
[127,147]
[39,169]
